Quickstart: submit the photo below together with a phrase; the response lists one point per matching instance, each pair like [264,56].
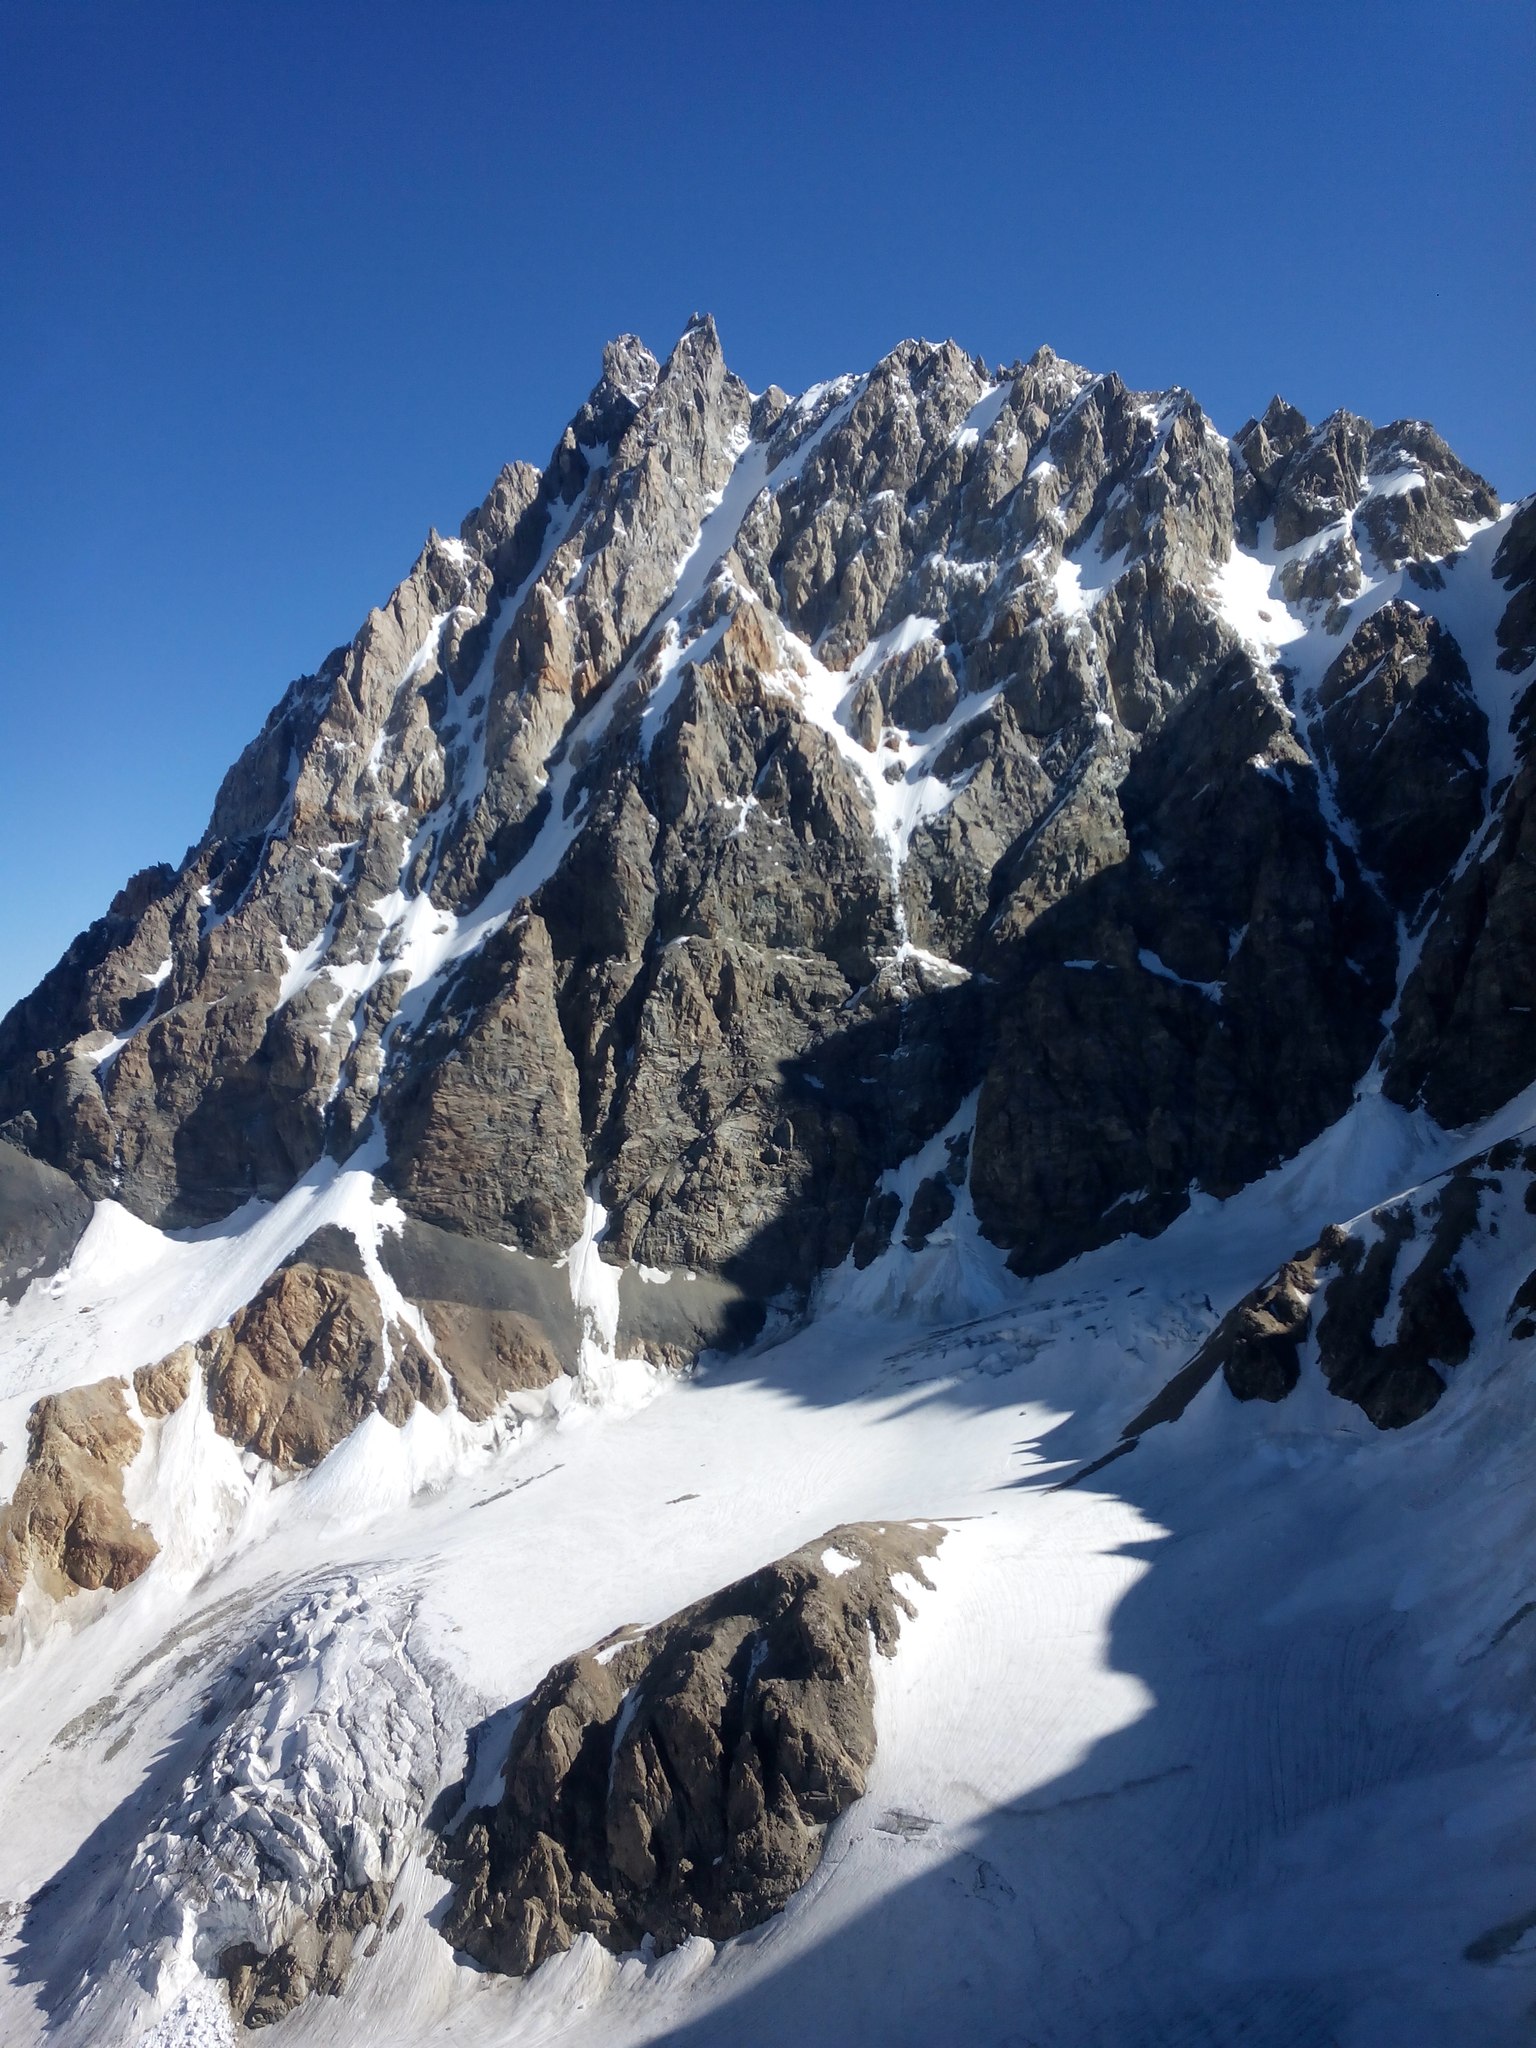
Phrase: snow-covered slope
[1234,1737]
[807,975]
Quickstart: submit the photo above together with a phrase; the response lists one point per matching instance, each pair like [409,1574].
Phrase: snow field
[1153,1706]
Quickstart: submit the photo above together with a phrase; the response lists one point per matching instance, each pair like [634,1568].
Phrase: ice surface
[1228,1701]
[326,1744]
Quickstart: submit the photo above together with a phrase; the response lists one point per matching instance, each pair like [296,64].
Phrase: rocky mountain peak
[738,797]
[629,369]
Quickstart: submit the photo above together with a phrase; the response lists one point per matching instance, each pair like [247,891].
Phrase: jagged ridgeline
[770,788]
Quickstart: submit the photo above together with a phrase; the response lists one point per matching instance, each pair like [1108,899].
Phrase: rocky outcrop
[294,1371]
[484,1126]
[1515,566]
[1418,496]
[1396,491]
[161,1388]
[773,834]
[1399,1378]
[503,1321]
[66,1526]
[1257,1345]
[489,1353]
[265,1987]
[678,1780]
[291,1375]
[1384,1300]
[1196,1010]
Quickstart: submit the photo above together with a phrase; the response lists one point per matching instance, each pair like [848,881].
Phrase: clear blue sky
[281,285]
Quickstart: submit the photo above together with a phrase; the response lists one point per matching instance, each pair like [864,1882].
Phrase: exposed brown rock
[429,1264]
[707,1009]
[66,1524]
[314,1960]
[488,1353]
[1515,565]
[43,1216]
[1420,518]
[1258,1344]
[1397,1381]
[308,1357]
[1465,1038]
[1194,1011]
[678,1780]
[294,1371]
[1341,1288]
[931,1206]
[485,1128]
[162,1388]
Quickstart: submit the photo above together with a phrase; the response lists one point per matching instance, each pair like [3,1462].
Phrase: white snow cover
[1154,964]
[426,942]
[1075,596]
[1223,1704]
[1469,605]
[104,1055]
[618,1384]
[979,421]
[899,807]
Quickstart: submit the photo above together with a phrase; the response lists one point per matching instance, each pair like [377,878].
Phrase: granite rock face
[66,1526]
[484,1127]
[737,796]
[778,835]
[1462,1044]
[678,1780]
[1407,742]
[1197,1009]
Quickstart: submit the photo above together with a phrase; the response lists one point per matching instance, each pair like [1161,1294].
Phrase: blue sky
[282,285]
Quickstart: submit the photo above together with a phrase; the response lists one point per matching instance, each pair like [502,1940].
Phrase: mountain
[579,1280]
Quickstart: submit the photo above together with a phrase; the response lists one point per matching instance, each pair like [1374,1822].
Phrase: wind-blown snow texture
[811,970]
